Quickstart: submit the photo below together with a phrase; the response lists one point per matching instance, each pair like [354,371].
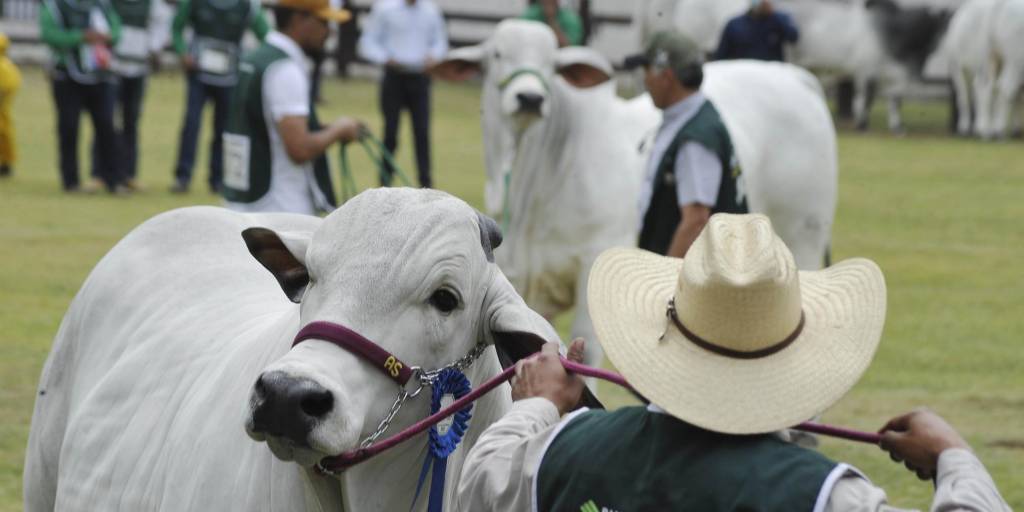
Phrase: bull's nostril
[317,404]
[530,102]
[260,388]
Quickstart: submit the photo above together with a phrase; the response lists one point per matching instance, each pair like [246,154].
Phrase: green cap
[668,49]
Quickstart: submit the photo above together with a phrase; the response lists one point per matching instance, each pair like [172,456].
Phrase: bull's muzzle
[530,103]
[289,407]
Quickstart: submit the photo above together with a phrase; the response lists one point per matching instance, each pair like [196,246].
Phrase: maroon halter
[357,344]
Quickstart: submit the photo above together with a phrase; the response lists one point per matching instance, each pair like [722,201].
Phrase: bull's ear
[284,255]
[516,330]
[460,64]
[583,67]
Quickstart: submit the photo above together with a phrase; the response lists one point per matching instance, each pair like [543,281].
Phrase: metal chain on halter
[424,378]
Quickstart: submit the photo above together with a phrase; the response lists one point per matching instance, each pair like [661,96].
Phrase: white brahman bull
[564,157]
[144,398]
[865,40]
[985,44]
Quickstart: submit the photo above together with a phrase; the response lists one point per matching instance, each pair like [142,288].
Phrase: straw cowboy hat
[734,338]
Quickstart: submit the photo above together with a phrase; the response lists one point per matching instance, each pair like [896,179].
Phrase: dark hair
[691,76]
[283,16]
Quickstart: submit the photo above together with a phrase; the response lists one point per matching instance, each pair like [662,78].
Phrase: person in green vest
[144,31]
[80,34]
[211,64]
[731,346]
[692,172]
[273,144]
[566,24]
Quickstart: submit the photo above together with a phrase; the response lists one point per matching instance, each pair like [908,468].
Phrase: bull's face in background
[412,271]
[524,74]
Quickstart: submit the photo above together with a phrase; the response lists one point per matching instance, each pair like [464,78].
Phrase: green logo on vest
[590,506]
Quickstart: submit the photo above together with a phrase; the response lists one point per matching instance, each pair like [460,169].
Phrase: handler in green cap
[692,172]
[273,144]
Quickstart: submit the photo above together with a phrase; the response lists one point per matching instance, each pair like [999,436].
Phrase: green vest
[663,215]
[247,156]
[79,62]
[218,27]
[133,13]
[636,460]
[132,50]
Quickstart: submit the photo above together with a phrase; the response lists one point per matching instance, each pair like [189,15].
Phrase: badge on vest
[236,161]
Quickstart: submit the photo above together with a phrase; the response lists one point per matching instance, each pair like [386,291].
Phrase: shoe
[134,185]
[179,188]
[121,190]
[93,186]
[73,190]
[5,171]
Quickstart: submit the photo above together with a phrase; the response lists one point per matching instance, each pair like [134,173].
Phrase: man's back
[756,36]
[638,459]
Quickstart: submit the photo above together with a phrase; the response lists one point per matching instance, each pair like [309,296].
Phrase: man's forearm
[686,233]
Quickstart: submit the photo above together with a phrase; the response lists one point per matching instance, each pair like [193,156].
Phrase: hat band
[728,352]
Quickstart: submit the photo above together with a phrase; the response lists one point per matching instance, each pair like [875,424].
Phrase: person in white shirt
[406,37]
[731,345]
[273,144]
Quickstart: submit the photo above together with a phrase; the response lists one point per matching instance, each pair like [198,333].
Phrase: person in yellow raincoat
[10,81]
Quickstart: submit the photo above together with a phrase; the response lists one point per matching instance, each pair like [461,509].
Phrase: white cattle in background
[985,44]
[864,40]
[144,401]
[564,157]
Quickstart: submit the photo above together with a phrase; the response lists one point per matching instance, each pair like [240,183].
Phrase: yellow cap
[320,8]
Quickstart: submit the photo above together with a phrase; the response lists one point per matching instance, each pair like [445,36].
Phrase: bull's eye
[444,300]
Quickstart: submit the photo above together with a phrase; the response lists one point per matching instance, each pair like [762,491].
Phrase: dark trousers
[127,97]
[71,98]
[410,91]
[197,96]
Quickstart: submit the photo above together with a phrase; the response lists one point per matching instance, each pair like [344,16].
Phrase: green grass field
[941,216]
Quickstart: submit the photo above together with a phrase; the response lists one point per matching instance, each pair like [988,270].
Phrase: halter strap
[520,72]
[352,341]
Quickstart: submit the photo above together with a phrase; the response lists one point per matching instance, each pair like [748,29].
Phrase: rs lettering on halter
[392,366]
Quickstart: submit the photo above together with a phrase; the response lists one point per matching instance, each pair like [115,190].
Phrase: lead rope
[378,155]
[338,463]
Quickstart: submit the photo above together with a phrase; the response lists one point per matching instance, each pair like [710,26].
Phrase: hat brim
[335,15]
[844,309]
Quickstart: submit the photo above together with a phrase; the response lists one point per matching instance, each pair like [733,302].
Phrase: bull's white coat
[985,43]
[144,398]
[575,172]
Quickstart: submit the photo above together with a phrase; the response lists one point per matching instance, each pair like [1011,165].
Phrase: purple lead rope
[348,459]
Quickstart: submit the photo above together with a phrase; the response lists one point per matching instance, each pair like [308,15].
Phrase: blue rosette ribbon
[441,444]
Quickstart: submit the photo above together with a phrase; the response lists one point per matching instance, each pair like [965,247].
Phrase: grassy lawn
[941,217]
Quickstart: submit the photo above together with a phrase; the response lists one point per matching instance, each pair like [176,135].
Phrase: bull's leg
[1006,91]
[860,102]
[983,85]
[895,115]
[582,327]
[963,101]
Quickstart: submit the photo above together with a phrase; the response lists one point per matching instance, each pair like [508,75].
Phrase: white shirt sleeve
[499,471]
[962,485]
[285,90]
[160,15]
[698,175]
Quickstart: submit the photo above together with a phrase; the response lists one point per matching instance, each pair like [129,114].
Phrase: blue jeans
[197,96]
[71,98]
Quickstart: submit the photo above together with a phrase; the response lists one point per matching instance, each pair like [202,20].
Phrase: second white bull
[565,157]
